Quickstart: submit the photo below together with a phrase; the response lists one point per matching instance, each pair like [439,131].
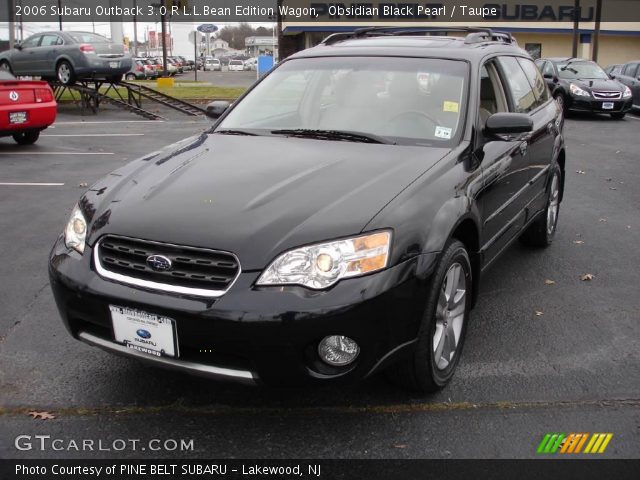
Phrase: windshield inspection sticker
[450,107]
[443,132]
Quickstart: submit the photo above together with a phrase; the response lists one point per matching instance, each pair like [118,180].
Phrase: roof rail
[474,34]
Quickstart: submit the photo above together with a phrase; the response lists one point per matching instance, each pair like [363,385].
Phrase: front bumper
[255,334]
[594,105]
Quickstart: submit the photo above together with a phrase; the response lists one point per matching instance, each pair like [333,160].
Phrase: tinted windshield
[404,100]
[82,37]
[580,70]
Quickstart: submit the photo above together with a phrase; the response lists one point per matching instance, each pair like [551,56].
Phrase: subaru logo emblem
[159,263]
[13,95]
[143,333]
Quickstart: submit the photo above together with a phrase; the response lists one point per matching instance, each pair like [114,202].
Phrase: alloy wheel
[450,314]
[552,209]
[64,73]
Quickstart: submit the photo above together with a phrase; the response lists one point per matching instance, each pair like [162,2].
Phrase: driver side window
[492,98]
[32,41]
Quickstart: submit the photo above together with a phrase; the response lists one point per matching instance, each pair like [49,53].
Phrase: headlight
[322,265]
[576,90]
[627,92]
[75,232]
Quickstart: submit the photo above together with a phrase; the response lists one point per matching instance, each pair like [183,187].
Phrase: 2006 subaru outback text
[333,223]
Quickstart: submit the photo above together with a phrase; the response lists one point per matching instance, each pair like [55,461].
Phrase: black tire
[618,115]
[114,78]
[421,371]
[64,73]
[130,76]
[6,66]
[541,232]
[28,137]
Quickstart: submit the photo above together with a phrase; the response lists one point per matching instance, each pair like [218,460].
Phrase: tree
[236,34]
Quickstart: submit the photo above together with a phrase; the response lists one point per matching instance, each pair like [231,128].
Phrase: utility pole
[60,14]
[12,24]
[135,29]
[596,33]
[576,27]
[164,43]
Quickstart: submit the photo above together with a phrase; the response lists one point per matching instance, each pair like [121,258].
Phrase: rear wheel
[130,76]
[115,78]
[26,138]
[443,326]
[618,115]
[65,73]
[541,232]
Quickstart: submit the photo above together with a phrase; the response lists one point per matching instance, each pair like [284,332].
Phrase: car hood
[255,196]
[600,84]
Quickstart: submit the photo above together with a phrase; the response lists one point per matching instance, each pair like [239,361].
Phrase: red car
[26,108]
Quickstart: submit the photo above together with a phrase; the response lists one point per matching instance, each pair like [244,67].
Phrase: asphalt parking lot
[539,356]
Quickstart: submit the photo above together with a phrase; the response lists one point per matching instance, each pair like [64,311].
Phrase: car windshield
[402,100]
[84,37]
[577,70]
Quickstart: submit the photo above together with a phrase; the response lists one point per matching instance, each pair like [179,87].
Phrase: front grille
[607,95]
[198,271]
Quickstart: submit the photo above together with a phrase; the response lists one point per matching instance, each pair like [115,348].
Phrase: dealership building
[551,34]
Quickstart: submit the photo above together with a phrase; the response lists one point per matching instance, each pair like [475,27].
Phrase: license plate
[145,332]
[114,64]
[17,117]
[607,106]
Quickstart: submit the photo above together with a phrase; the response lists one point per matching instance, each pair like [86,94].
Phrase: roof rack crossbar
[474,34]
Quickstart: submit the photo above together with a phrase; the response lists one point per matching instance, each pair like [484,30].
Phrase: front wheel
[26,138]
[130,76]
[65,73]
[541,232]
[618,115]
[443,325]
[5,67]
[562,103]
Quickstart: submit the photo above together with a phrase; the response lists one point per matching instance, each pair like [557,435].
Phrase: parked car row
[582,85]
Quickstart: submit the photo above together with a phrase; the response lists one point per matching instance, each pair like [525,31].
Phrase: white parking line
[93,135]
[56,153]
[28,184]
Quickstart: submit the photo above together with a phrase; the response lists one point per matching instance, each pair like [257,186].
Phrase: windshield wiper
[235,131]
[332,135]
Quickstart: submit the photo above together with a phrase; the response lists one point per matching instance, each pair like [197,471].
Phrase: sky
[179,30]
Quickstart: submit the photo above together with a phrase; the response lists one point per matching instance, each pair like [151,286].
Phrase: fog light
[338,350]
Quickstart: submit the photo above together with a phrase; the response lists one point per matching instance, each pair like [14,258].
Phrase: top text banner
[469,12]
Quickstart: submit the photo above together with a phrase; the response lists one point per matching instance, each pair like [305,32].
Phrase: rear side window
[523,99]
[535,79]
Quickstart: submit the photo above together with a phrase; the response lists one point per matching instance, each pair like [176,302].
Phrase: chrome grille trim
[607,94]
[163,287]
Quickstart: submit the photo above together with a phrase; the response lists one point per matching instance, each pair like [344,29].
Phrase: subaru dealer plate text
[144,332]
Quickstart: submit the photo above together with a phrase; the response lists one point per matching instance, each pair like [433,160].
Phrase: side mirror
[17,46]
[508,123]
[216,108]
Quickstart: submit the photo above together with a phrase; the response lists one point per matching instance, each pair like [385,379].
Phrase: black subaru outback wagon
[333,223]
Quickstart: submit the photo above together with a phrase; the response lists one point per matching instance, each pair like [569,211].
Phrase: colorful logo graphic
[574,443]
